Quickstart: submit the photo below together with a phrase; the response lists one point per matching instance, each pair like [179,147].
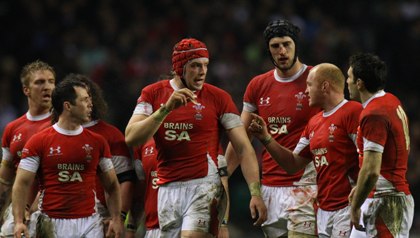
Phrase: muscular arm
[127,189]
[368,176]
[284,157]
[20,192]
[250,170]
[7,175]
[110,183]
[230,155]
[141,128]
[245,154]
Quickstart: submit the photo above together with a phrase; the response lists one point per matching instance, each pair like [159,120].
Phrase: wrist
[131,227]
[267,140]
[224,222]
[123,215]
[255,189]
[161,114]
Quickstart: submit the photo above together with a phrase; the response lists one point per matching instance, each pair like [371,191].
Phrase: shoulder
[209,89]
[157,86]
[111,130]
[353,106]
[18,121]
[314,119]
[263,76]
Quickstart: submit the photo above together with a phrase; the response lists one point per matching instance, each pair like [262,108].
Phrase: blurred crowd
[125,45]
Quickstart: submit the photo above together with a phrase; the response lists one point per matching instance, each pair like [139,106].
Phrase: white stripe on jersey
[143,108]
[7,156]
[30,164]
[105,164]
[230,120]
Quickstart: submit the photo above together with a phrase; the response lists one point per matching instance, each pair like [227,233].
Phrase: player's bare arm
[141,128]
[250,170]
[110,183]
[230,155]
[20,192]
[368,176]
[284,157]
[7,175]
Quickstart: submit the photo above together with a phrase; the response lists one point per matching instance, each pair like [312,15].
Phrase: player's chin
[198,85]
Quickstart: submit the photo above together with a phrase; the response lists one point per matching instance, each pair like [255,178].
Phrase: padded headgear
[186,50]
[281,28]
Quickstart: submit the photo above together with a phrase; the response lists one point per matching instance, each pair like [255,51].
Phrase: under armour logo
[17,137]
[343,233]
[201,222]
[265,101]
[307,224]
[55,151]
[149,150]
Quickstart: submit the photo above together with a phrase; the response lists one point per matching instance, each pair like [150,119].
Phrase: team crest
[299,97]
[88,149]
[198,109]
[331,129]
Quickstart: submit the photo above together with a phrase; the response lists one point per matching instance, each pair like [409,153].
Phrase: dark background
[125,45]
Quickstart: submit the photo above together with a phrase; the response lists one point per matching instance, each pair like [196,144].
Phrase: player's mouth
[283,60]
[46,96]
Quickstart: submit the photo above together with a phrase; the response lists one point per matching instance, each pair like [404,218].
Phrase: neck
[290,72]
[36,110]
[333,102]
[179,82]
[68,123]
[364,96]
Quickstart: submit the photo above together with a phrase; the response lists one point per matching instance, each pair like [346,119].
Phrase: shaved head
[332,74]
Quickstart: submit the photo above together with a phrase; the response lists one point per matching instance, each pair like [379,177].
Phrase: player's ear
[360,84]
[325,85]
[26,91]
[66,105]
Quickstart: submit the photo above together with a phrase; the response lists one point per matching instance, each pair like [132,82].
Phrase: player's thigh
[301,217]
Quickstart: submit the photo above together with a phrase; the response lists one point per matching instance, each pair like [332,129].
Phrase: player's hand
[350,197]
[223,232]
[129,234]
[21,230]
[355,219]
[115,229]
[180,98]
[258,127]
[258,210]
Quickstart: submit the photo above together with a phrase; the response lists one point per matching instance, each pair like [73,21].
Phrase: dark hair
[100,106]
[64,91]
[370,69]
[281,28]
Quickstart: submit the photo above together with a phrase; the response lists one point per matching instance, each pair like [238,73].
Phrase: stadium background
[125,45]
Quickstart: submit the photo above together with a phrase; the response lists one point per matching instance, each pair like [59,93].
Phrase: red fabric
[186,50]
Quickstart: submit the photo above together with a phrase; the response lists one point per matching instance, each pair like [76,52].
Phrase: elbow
[373,176]
[291,171]
[129,141]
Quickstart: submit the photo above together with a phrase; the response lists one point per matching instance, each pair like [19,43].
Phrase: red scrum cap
[186,50]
